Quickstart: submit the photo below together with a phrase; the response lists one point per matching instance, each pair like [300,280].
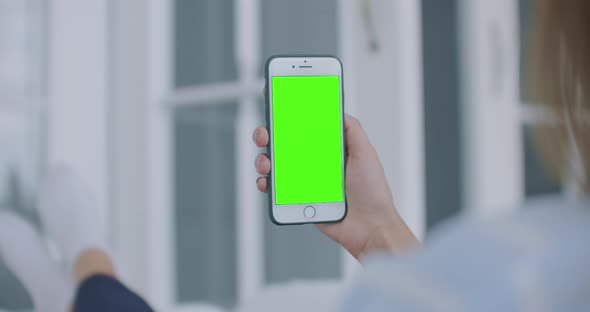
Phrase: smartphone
[305,121]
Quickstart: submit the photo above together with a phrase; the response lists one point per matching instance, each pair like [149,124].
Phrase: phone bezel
[311,66]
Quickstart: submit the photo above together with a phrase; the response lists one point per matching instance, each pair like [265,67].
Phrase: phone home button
[309,212]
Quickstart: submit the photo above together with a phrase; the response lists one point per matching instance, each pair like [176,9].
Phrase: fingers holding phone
[261,163]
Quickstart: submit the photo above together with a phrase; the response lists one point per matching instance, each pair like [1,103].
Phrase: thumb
[356,138]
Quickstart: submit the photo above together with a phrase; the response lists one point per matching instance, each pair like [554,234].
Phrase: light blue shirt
[538,260]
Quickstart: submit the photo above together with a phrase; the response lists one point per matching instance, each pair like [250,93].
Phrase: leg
[70,217]
[98,288]
[93,262]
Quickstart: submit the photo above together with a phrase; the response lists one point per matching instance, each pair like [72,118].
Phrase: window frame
[76,125]
[32,103]
[492,185]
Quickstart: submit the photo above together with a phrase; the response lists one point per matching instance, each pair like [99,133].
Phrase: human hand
[372,223]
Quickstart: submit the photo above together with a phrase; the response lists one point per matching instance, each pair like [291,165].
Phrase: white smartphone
[305,120]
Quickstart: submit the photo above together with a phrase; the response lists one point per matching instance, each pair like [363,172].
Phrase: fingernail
[256,162]
[255,134]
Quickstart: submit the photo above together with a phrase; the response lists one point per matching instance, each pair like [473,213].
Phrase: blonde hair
[560,82]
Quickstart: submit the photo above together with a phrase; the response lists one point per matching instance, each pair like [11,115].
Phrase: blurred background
[153,103]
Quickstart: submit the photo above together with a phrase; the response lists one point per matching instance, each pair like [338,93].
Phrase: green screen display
[307,136]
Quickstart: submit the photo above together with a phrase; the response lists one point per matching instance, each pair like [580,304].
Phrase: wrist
[396,239]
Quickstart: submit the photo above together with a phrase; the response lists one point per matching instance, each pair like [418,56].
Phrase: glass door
[225,247]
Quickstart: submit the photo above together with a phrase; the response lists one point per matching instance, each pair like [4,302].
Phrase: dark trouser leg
[105,293]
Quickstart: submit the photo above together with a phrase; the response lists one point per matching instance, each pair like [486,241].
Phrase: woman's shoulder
[535,226]
[510,263]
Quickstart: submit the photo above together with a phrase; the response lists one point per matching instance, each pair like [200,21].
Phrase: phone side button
[309,212]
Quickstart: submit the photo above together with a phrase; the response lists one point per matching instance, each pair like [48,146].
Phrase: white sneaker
[26,256]
[69,214]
